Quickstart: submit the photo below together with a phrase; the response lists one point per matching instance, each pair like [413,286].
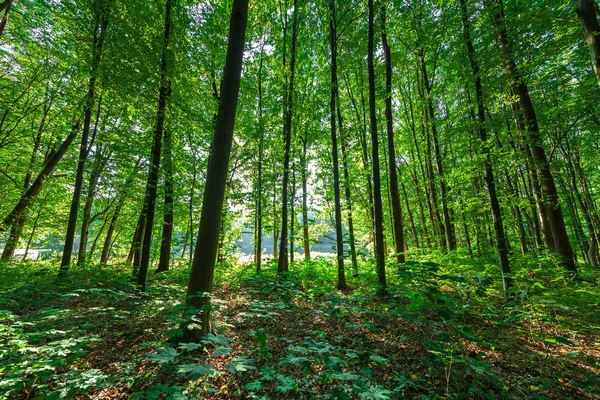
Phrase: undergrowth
[443,329]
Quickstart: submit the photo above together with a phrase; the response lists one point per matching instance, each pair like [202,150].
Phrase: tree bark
[562,244]
[152,183]
[341,284]
[282,264]
[305,235]
[377,203]
[167,228]
[99,37]
[501,242]
[398,226]
[201,275]
[587,11]
[5,6]
[259,183]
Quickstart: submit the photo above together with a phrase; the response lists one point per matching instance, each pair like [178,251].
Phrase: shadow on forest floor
[442,331]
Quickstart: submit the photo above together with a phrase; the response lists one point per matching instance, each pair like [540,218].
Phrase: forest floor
[443,331]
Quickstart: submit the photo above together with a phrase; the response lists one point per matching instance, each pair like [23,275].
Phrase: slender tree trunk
[135,249]
[152,183]
[447,225]
[191,208]
[341,283]
[32,235]
[550,195]
[292,213]
[97,167]
[95,242]
[5,6]
[259,183]
[99,36]
[282,264]
[398,226]
[167,228]
[413,227]
[501,241]
[306,237]
[348,198]
[588,12]
[201,275]
[378,208]
[109,234]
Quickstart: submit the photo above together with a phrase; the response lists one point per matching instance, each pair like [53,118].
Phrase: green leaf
[287,384]
[267,373]
[572,354]
[254,386]
[563,340]
[241,364]
[195,370]
[190,346]
[375,392]
[163,356]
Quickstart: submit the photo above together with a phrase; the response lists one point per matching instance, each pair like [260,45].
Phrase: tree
[334,147]
[377,203]
[282,264]
[534,140]
[152,183]
[398,226]
[501,241]
[102,13]
[203,265]
[587,11]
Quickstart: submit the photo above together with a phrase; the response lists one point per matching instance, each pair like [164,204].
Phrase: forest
[299,199]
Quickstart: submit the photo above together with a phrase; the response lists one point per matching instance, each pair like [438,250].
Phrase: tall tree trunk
[413,227]
[398,226]
[109,233]
[259,183]
[152,183]
[5,6]
[348,197]
[501,242]
[167,228]
[378,207]
[99,37]
[282,264]
[341,283]
[32,234]
[447,225]
[587,11]
[305,235]
[292,213]
[201,274]
[550,195]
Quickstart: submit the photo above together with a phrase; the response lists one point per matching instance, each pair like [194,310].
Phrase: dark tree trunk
[201,275]
[167,228]
[99,37]
[348,198]
[339,240]
[378,208]
[305,235]
[447,224]
[5,6]
[501,242]
[398,226]
[413,227]
[109,234]
[562,244]
[259,183]
[588,12]
[152,183]
[282,264]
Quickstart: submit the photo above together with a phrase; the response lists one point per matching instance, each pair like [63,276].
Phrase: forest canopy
[409,165]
